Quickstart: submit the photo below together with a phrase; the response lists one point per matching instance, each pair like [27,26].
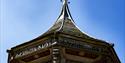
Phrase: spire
[65,13]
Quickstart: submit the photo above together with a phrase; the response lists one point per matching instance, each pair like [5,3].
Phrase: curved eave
[64,24]
[42,36]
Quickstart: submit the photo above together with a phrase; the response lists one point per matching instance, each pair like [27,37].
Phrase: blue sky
[23,20]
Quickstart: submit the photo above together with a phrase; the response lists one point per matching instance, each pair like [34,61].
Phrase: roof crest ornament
[65,13]
[64,1]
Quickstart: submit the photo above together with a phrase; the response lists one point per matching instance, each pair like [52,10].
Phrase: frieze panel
[62,41]
[78,44]
[26,51]
[83,45]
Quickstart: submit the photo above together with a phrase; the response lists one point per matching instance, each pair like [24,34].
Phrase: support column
[56,55]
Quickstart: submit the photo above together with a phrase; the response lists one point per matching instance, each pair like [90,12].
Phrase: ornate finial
[65,13]
[64,1]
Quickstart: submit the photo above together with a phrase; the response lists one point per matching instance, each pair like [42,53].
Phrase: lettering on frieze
[33,49]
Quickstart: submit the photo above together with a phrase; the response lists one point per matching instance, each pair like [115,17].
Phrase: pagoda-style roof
[63,40]
[66,25]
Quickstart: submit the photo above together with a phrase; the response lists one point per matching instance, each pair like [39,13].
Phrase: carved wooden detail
[81,53]
[25,51]
[78,44]
[36,56]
